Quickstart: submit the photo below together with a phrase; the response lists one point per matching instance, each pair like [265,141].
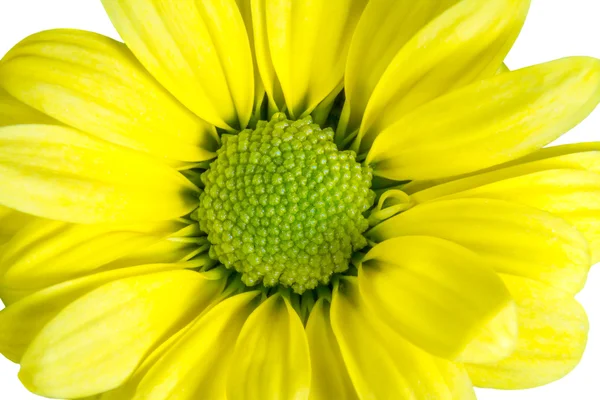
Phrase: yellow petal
[196,366]
[10,223]
[576,155]
[262,54]
[166,250]
[14,112]
[467,42]
[377,40]
[383,365]
[198,50]
[127,390]
[330,379]
[271,355]
[580,156]
[23,320]
[307,47]
[48,252]
[245,7]
[450,299]
[573,195]
[585,156]
[552,337]
[94,83]
[489,122]
[96,342]
[503,68]
[63,174]
[513,239]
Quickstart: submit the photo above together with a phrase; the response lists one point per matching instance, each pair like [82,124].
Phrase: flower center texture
[283,206]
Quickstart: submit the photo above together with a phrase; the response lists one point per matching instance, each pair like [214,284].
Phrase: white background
[554,29]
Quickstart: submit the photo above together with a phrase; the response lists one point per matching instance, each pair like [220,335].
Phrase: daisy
[284,199]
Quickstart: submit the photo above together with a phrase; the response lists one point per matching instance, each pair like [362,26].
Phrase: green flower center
[283,206]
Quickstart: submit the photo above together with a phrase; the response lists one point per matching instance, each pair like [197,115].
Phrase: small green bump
[282,206]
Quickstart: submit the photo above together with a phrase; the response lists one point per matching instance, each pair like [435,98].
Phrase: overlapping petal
[513,238]
[63,174]
[577,156]
[584,156]
[94,83]
[440,46]
[489,122]
[23,320]
[581,156]
[571,194]
[271,355]
[198,50]
[301,49]
[127,391]
[330,377]
[552,337]
[376,43]
[10,223]
[13,112]
[112,328]
[453,305]
[382,364]
[49,252]
[196,366]
[167,250]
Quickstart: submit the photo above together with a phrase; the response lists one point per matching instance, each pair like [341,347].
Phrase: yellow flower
[280,199]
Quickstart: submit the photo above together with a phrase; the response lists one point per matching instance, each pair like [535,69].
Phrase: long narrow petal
[513,239]
[14,112]
[552,337]
[307,47]
[573,195]
[48,252]
[383,365]
[453,305]
[271,355]
[466,42]
[330,379]
[489,122]
[63,174]
[196,367]
[94,83]
[580,156]
[112,328]
[584,156]
[263,55]
[245,7]
[198,50]
[576,155]
[23,320]
[166,251]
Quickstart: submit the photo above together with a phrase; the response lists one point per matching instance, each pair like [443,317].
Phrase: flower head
[280,199]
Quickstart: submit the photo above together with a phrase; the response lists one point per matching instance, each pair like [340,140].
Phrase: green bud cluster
[283,206]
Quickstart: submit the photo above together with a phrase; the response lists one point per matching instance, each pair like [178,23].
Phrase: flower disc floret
[283,206]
